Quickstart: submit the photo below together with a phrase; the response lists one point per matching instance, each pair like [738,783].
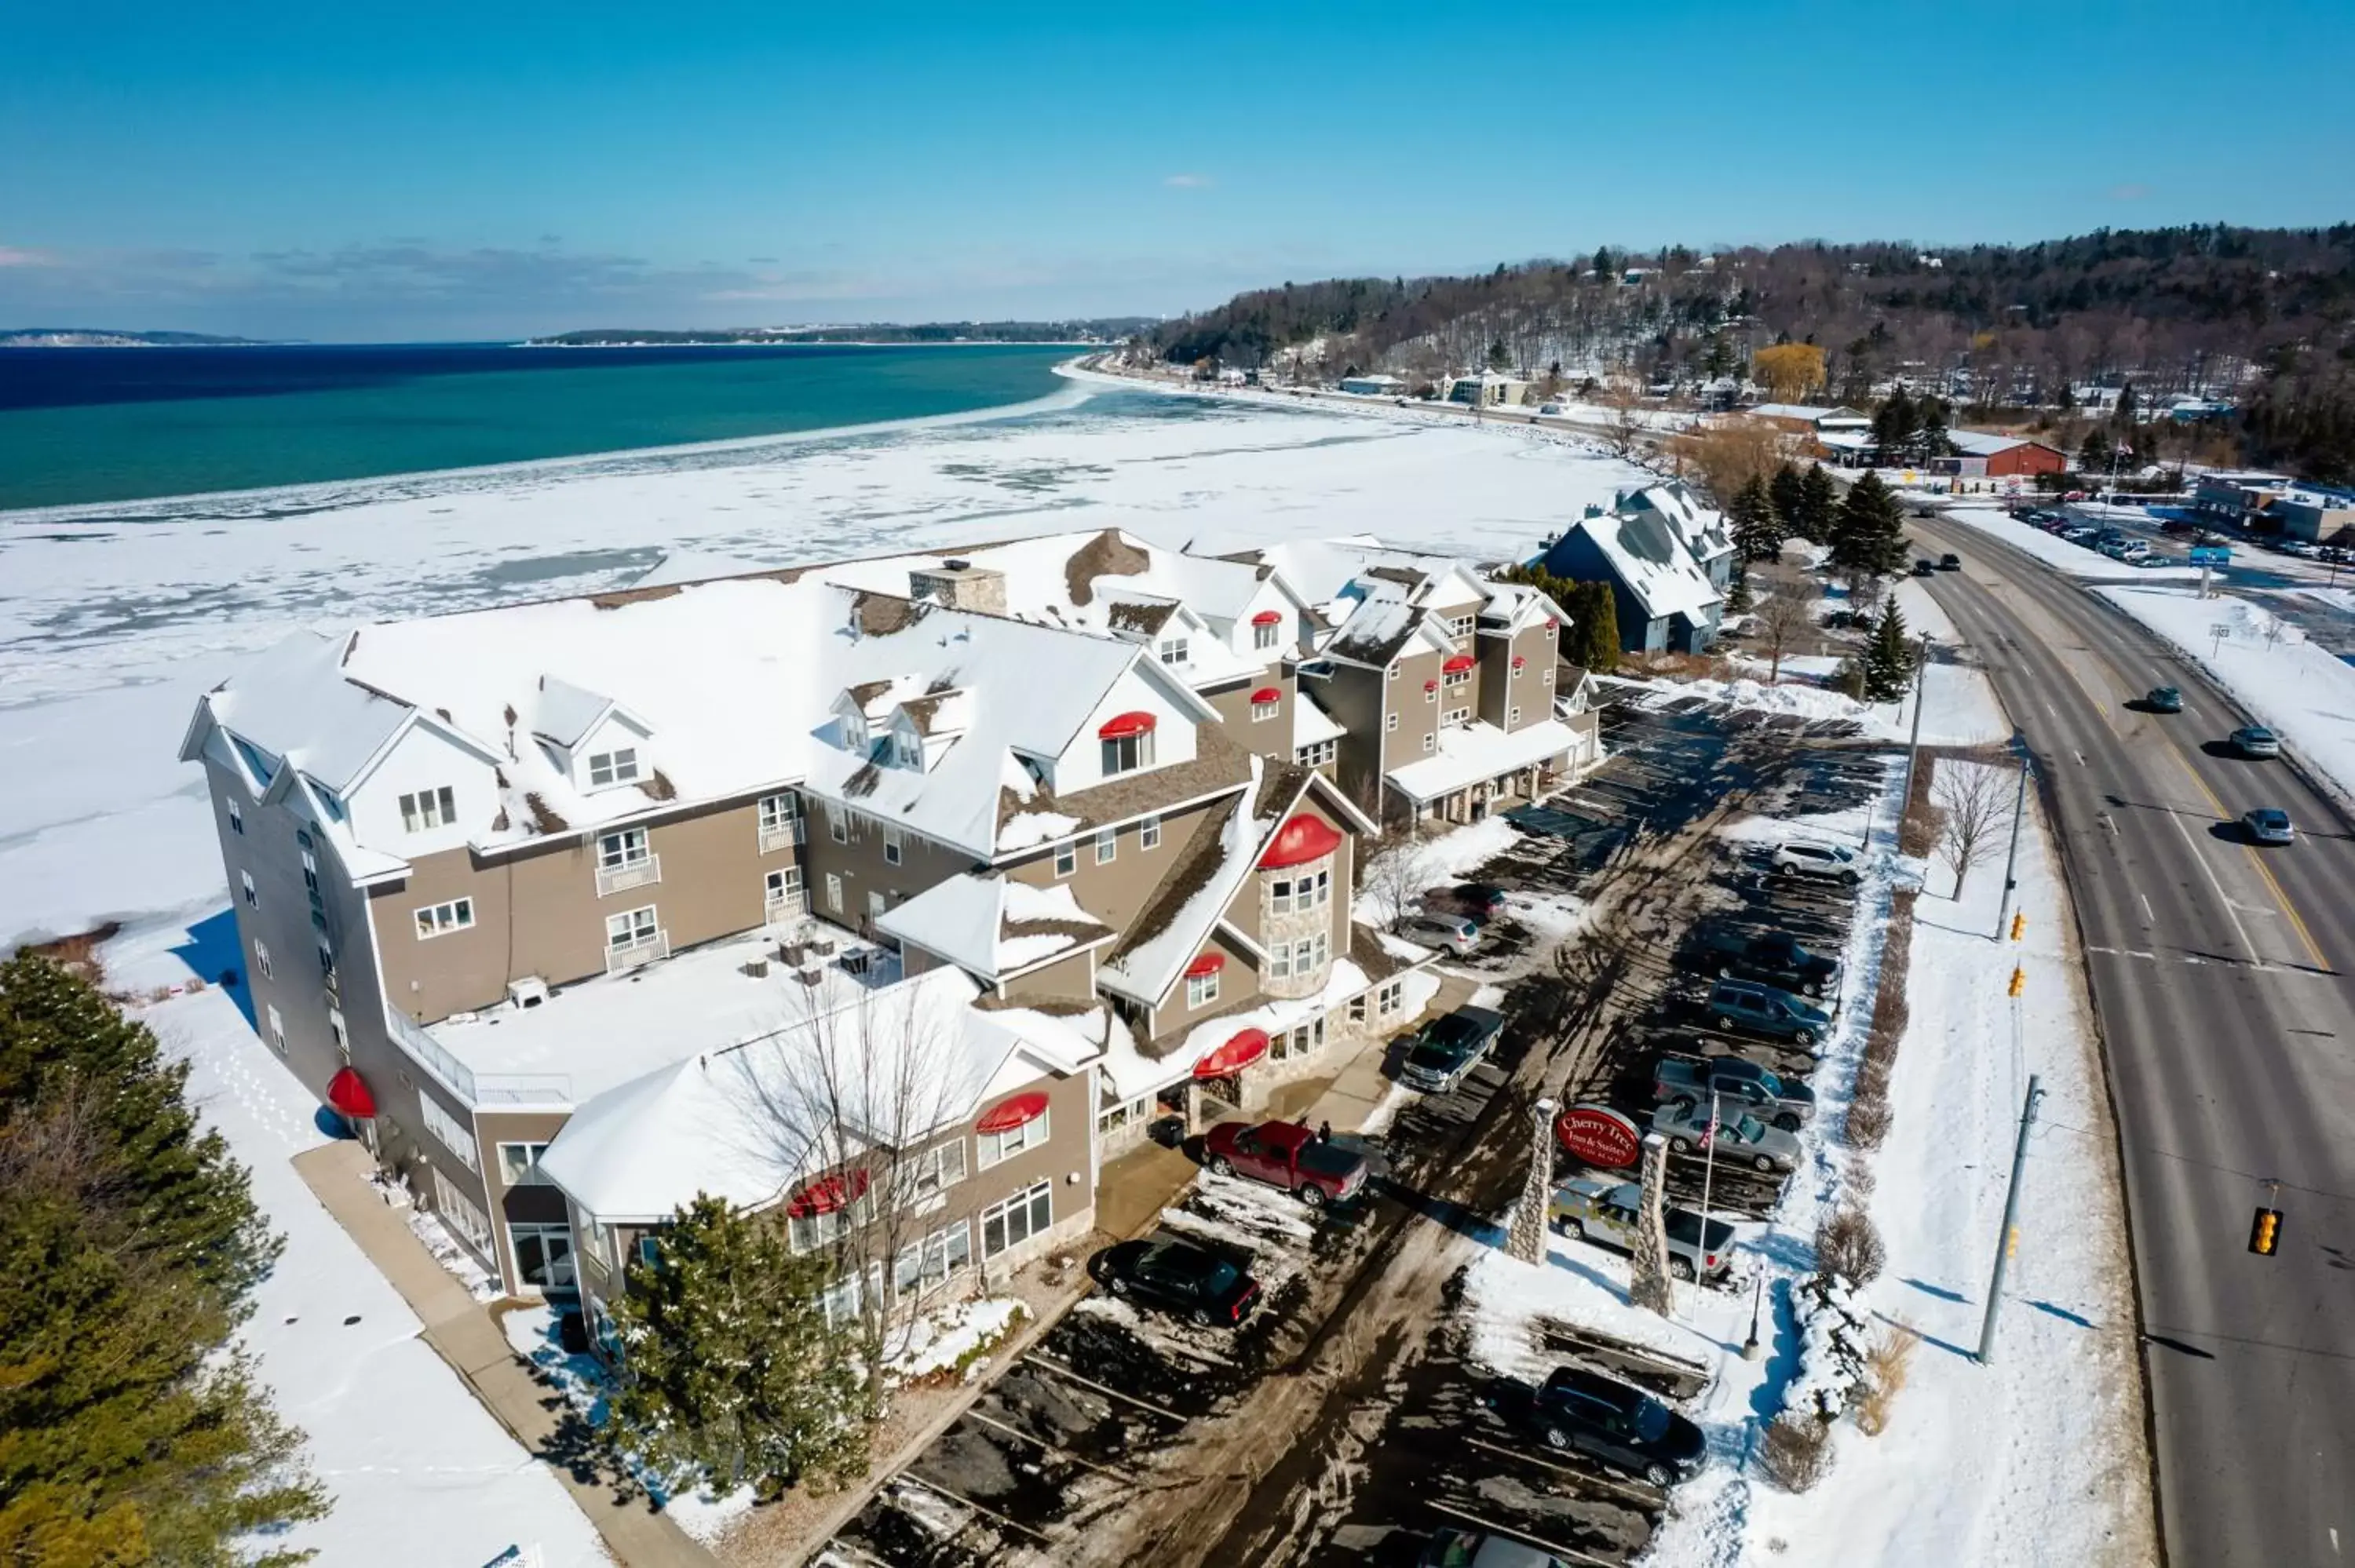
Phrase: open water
[81,425]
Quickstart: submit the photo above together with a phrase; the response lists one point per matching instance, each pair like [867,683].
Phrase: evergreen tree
[1887,660]
[1738,600]
[1596,610]
[1894,424]
[2094,451]
[1499,359]
[1868,532]
[131,1431]
[1929,439]
[1788,491]
[729,1367]
[1757,530]
[1818,506]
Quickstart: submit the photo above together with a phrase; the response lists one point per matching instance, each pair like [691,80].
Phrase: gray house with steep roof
[1665,599]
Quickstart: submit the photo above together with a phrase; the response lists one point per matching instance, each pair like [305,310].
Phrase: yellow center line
[2297,922]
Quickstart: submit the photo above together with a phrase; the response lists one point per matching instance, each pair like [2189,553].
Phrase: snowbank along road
[2218,974]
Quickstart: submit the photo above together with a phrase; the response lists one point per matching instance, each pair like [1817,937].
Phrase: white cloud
[1189,182]
[14,256]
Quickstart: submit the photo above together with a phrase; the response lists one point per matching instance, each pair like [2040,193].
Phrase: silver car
[1452,932]
[1604,1212]
[1740,1139]
[2256,740]
[2268,825]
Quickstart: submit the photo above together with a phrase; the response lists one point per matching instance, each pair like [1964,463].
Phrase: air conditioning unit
[529,992]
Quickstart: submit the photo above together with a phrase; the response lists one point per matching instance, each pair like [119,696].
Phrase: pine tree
[729,1370]
[1868,532]
[1738,600]
[1818,506]
[2094,453]
[1789,493]
[131,1430]
[1757,530]
[1888,662]
[1894,423]
[1603,628]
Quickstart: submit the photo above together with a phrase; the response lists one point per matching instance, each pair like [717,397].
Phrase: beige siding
[1117,890]
[858,862]
[1072,979]
[1269,737]
[1357,699]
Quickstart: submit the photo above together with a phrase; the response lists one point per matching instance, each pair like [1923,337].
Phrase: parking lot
[1344,1422]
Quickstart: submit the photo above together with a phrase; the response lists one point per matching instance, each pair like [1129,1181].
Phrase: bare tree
[1783,619]
[1625,429]
[1395,875]
[1976,800]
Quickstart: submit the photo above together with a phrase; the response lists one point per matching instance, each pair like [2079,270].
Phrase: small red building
[1982,454]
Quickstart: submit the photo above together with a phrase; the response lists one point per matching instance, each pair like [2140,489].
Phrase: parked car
[1924,567]
[1578,1411]
[1950,563]
[1186,1278]
[1472,1549]
[2256,740]
[1738,1085]
[1287,1154]
[1437,928]
[2163,700]
[2268,825]
[1799,857]
[1547,821]
[1607,1213]
[1761,1010]
[1775,958]
[1740,1139]
[1475,901]
[1447,1048]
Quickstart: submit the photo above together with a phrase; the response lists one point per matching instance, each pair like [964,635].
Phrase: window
[326,958]
[519,1164]
[1455,677]
[1127,753]
[650,1251]
[1305,957]
[781,891]
[1264,635]
[997,1146]
[253,894]
[343,1035]
[1457,715]
[236,817]
[1202,990]
[892,846]
[1017,1219]
[928,1264]
[428,808]
[610,768]
[1390,724]
[1111,1119]
[1394,671]
[838,824]
[277,1032]
[631,928]
[806,1233]
[1430,743]
[1391,997]
[833,894]
[1430,693]
[935,1169]
[460,1214]
[1261,712]
[1547,677]
[1459,626]
[781,821]
[1107,846]
[262,959]
[908,750]
[1301,893]
[441,919]
[1512,716]
[599,1243]
[1317,753]
[619,852]
[543,1254]
[453,1133]
[1148,833]
[1174,651]
[878,905]
[1066,859]
[310,872]
[838,1302]
[1299,1041]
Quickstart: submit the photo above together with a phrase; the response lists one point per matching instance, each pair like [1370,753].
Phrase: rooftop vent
[528,992]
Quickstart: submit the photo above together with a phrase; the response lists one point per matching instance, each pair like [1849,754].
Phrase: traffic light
[2019,926]
[2011,1244]
[2019,983]
[2265,1236]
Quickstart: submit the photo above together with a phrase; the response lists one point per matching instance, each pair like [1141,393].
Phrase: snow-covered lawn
[2072,560]
[2304,693]
[420,1472]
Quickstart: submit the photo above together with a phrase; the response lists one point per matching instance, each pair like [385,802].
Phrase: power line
[2203,1165]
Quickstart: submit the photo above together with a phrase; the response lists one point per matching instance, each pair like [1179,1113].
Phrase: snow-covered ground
[2071,560]
[113,619]
[419,1471]
[2299,691]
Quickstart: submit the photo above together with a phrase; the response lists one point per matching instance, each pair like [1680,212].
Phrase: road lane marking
[1053,1365]
[2297,922]
[2148,917]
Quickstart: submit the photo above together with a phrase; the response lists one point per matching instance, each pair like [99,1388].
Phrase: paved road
[2218,973]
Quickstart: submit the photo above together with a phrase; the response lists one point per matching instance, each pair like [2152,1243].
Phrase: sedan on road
[1179,1276]
[2163,700]
[1762,1010]
[1950,563]
[2268,825]
[1579,1411]
[2256,740]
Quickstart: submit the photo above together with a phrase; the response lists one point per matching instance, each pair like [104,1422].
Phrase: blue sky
[359,172]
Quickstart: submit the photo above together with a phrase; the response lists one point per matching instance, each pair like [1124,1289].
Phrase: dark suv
[1584,1411]
[1762,1010]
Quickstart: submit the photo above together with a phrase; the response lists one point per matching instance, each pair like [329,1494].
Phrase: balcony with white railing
[644,951]
[784,835]
[640,873]
[443,1067]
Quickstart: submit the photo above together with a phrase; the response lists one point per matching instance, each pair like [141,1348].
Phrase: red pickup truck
[1287,1154]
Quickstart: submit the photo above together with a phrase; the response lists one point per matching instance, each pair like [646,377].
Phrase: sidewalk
[463,1332]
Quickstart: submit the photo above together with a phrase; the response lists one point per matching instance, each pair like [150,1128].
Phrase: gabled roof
[565,713]
[1701,529]
[293,703]
[994,926]
[1646,556]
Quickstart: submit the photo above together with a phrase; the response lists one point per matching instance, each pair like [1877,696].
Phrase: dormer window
[1267,628]
[1127,743]
[428,808]
[1459,625]
[907,750]
[1176,651]
[607,769]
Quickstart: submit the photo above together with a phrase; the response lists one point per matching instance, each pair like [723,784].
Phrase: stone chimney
[960,585]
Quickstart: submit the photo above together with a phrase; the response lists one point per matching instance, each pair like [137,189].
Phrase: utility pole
[2011,861]
[1708,1171]
[1913,747]
[2011,1218]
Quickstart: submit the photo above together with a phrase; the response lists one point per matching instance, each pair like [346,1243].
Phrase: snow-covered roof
[1130,1074]
[1311,725]
[993,925]
[294,702]
[1812,413]
[1701,529]
[1477,752]
[746,1121]
[1987,444]
[1646,556]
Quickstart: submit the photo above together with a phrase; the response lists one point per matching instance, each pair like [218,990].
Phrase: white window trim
[531,1176]
[462,1214]
[1390,724]
[1262,712]
[1201,990]
[253,894]
[624,848]
[1022,1203]
[1067,858]
[833,894]
[631,932]
[1107,845]
[1429,744]
[893,845]
[261,958]
[1148,832]
[277,1030]
[996,1147]
[236,817]
[1265,635]
[613,765]
[1174,651]
[441,919]
[450,1132]
[422,810]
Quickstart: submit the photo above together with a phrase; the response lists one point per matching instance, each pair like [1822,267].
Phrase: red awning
[1208,964]
[1302,839]
[826,1195]
[1268,694]
[1430,685]
[349,1093]
[1518,662]
[1235,1056]
[1127,724]
[1268,617]
[1460,664]
[1008,1114]
[1553,623]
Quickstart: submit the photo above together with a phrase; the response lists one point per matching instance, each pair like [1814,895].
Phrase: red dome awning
[826,1195]
[1458,665]
[1016,1111]
[1303,838]
[1430,685]
[1268,694]
[349,1093]
[1235,1056]
[1121,725]
[1208,964]
[1518,662]
[1553,623]
[1268,617]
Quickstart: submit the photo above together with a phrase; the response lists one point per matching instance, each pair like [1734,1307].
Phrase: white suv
[1831,861]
